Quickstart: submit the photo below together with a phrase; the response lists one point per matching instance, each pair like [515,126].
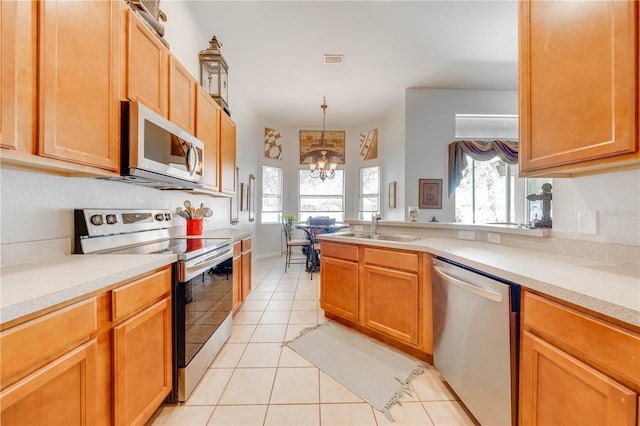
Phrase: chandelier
[319,168]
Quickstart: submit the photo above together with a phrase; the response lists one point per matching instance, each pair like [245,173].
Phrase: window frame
[279,196]
[362,195]
[337,214]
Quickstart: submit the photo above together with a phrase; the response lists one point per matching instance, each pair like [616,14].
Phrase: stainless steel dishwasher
[476,319]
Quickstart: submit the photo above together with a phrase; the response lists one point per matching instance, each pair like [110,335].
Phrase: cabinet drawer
[35,340]
[134,296]
[605,345]
[237,248]
[339,251]
[391,259]
[246,244]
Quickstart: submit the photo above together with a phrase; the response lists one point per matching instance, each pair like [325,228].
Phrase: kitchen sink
[381,237]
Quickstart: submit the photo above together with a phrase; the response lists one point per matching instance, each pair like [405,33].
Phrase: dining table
[312,231]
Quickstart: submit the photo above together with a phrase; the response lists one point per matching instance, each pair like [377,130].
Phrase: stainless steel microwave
[157,153]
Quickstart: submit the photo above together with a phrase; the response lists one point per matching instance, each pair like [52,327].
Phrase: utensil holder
[194,226]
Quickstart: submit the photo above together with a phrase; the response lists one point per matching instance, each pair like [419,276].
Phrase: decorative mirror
[234,202]
[251,193]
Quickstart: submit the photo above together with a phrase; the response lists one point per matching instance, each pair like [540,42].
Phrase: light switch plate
[492,237]
[588,222]
[466,235]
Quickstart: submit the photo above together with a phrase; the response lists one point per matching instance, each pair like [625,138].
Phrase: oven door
[202,308]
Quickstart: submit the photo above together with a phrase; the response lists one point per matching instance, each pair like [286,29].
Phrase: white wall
[430,127]
[614,196]
[37,206]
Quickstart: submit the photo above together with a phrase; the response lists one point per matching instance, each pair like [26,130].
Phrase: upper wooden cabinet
[578,85]
[147,67]
[227,154]
[207,130]
[79,105]
[18,73]
[182,96]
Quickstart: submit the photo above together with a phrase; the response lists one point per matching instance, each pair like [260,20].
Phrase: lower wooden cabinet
[576,369]
[241,272]
[142,364]
[557,388]
[60,393]
[391,305]
[103,360]
[245,276]
[339,289]
[383,292]
[237,271]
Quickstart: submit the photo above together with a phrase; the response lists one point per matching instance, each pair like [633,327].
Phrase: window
[491,191]
[318,198]
[369,196]
[485,192]
[271,194]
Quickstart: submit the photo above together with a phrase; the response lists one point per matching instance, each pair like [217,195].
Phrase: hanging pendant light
[319,168]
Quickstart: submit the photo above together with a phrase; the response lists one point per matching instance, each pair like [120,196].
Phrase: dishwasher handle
[496,297]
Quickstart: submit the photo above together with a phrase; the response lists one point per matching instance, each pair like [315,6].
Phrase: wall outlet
[588,222]
[492,237]
[466,235]
[358,228]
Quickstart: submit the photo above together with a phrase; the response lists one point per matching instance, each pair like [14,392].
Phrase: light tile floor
[255,380]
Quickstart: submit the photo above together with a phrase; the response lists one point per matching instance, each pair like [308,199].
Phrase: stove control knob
[96,219]
[159,217]
[112,219]
[167,216]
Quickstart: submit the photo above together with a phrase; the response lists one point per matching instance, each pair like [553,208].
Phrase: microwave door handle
[191,159]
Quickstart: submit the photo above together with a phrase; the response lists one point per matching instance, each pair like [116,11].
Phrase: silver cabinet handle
[468,287]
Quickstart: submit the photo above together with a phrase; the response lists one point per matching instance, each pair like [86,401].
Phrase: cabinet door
[237,284]
[79,82]
[182,96]
[246,274]
[17,81]
[147,69]
[556,388]
[578,83]
[227,154]
[207,130]
[390,303]
[339,288]
[60,393]
[142,364]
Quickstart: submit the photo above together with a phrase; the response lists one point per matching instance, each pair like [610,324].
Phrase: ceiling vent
[333,59]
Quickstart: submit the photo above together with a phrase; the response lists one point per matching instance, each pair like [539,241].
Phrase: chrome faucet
[375,217]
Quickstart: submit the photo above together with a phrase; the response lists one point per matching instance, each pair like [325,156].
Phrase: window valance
[507,151]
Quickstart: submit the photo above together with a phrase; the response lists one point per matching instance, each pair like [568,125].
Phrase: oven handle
[201,267]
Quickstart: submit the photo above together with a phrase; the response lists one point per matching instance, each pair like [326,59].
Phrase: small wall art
[392,195]
[369,144]
[272,144]
[311,145]
[430,193]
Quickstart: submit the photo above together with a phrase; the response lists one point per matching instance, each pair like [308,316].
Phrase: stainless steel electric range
[202,281]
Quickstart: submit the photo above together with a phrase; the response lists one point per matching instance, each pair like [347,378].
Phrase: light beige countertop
[608,289]
[30,287]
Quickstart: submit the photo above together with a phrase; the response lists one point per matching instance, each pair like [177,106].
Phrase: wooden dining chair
[303,243]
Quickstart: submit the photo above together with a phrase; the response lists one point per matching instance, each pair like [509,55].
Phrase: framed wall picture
[392,195]
[312,145]
[251,194]
[430,193]
[233,216]
[244,198]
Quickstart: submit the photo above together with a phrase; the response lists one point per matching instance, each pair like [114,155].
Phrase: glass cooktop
[184,248]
